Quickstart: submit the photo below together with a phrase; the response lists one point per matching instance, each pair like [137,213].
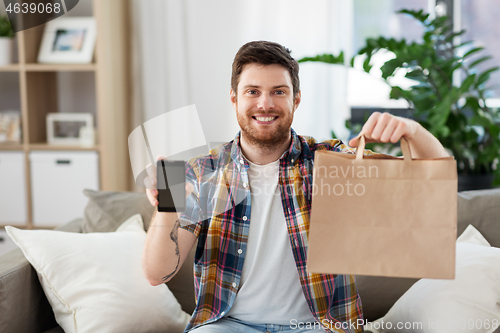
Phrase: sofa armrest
[23,304]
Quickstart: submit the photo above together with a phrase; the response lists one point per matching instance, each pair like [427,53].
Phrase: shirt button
[234,285]
[245,218]
[242,162]
[240,251]
[292,160]
[245,184]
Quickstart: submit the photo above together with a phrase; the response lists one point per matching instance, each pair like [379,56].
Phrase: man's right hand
[167,245]
[150,183]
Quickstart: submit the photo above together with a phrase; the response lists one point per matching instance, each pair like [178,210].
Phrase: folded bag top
[383,216]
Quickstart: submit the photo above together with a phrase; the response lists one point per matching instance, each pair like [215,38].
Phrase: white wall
[186,48]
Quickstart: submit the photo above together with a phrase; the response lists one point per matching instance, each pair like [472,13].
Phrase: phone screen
[171,178]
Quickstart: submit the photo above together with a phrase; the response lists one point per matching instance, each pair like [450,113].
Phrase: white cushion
[94,281]
[469,303]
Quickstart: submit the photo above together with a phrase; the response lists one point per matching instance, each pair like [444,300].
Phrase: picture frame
[66,128]
[68,40]
[10,127]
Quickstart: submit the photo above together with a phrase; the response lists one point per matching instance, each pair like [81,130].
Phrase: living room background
[181,53]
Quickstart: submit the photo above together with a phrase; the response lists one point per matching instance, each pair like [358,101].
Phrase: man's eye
[252,92]
[280,92]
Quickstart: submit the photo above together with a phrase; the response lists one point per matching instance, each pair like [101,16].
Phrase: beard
[269,139]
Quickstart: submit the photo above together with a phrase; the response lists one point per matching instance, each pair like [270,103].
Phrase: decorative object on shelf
[87,136]
[68,41]
[457,114]
[10,127]
[65,128]
[6,37]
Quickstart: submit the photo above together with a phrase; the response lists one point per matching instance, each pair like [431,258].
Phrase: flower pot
[475,182]
[5,51]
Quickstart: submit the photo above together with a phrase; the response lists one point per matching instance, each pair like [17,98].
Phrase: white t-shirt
[270,291]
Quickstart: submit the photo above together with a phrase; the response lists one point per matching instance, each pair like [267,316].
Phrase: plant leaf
[326,58]
[471,52]
[366,65]
[450,37]
[485,76]
[467,83]
[480,60]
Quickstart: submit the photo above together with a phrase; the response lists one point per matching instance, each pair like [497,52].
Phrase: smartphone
[171,179]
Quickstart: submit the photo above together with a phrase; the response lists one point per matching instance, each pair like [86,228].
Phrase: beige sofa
[24,307]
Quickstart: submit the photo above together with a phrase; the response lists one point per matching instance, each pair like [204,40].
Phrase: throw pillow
[469,303]
[105,210]
[94,282]
[481,209]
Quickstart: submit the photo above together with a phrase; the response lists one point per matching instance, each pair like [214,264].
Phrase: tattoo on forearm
[174,236]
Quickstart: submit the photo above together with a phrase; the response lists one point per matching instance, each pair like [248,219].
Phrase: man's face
[265,104]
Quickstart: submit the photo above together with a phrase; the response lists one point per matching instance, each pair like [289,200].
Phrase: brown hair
[265,53]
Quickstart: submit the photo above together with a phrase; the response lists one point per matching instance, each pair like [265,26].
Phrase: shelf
[60,67]
[15,225]
[46,146]
[101,88]
[10,68]
[11,146]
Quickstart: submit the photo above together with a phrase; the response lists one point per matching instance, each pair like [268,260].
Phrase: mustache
[265,113]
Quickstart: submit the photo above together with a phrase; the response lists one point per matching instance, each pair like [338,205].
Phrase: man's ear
[297,99]
[233,97]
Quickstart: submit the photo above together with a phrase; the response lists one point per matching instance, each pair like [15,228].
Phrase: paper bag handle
[405,148]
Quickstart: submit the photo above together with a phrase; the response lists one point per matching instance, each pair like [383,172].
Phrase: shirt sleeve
[338,145]
[191,218]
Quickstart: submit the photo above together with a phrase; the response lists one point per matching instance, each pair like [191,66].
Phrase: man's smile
[265,119]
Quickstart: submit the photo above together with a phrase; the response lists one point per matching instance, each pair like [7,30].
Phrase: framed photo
[68,40]
[10,127]
[66,128]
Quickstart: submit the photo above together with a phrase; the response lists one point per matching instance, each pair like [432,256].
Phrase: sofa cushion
[106,211]
[482,210]
[94,282]
[479,208]
[467,303]
[23,305]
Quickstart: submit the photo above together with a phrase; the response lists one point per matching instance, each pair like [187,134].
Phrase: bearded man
[248,209]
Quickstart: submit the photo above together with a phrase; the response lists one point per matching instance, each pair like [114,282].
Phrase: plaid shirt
[219,215]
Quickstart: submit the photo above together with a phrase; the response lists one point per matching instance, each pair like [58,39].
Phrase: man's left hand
[385,127]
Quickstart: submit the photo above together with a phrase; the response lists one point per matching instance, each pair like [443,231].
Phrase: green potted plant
[456,113]
[6,36]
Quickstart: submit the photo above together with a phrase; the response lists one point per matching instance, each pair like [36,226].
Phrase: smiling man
[249,208]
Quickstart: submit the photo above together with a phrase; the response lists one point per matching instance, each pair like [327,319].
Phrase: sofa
[24,307]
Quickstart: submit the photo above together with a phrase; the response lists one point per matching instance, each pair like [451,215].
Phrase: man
[249,210]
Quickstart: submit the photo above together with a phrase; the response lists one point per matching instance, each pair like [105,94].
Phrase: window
[379,18]
[480,19]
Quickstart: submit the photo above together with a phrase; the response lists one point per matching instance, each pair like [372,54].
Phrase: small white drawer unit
[13,208]
[57,183]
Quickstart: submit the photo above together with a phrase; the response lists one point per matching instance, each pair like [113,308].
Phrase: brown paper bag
[384,216]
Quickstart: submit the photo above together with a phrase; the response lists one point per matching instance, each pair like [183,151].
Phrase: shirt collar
[289,155]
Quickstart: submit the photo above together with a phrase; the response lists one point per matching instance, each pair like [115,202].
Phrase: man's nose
[265,102]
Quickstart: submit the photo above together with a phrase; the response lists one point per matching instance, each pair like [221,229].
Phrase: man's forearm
[160,258]
[424,145]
